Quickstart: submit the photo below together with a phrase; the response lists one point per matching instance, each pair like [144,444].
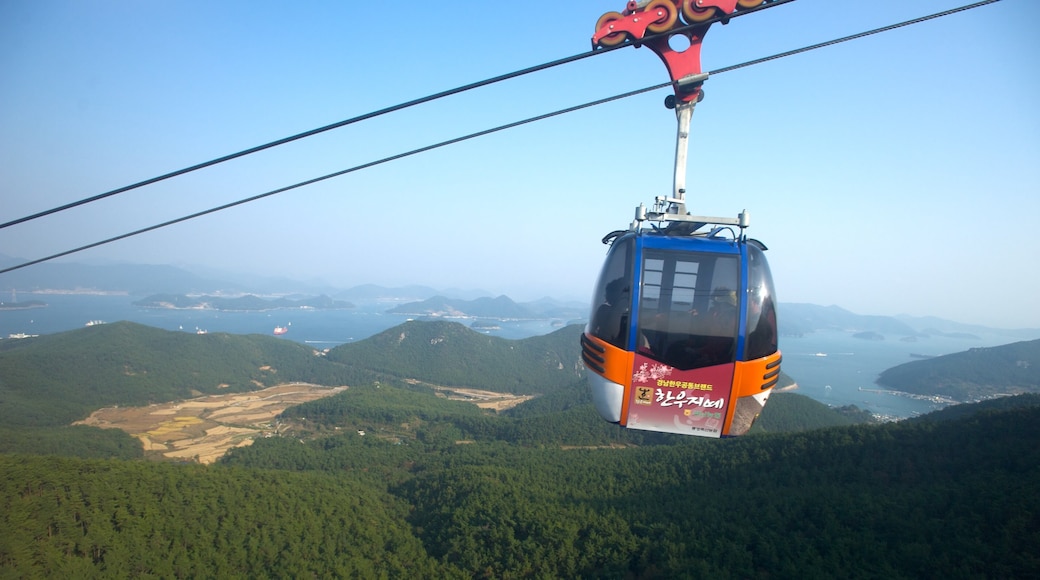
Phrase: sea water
[832,367]
[319,328]
[836,368]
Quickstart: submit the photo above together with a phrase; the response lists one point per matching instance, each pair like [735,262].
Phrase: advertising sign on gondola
[670,400]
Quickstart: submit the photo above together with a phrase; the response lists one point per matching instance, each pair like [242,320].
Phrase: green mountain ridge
[393,480]
[972,375]
[131,364]
[48,382]
[448,353]
[56,379]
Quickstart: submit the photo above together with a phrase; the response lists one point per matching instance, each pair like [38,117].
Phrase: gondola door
[686,336]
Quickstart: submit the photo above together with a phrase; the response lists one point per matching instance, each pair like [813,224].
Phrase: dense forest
[392,478]
[957,499]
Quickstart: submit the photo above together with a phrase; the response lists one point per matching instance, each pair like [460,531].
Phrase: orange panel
[617,367]
[749,378]
[617,362]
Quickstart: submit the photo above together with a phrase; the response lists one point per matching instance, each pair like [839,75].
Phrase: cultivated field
[485,399]
[204,428]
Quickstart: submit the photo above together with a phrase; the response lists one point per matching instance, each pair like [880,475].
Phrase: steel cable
[489,131]
[370,115]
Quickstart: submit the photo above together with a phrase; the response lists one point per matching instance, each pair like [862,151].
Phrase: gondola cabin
[682,337]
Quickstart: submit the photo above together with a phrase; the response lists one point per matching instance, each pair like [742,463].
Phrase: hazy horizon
[892,174]
[291,285]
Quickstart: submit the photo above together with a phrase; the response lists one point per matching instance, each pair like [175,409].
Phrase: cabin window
[612,298]
[761,315]
[688,308]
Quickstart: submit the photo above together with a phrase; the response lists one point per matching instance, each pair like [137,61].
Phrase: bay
[319,328]
[838,369]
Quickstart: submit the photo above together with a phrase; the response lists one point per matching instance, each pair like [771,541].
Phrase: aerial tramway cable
[350,121]
[436,145]
[855,36]
[341,172]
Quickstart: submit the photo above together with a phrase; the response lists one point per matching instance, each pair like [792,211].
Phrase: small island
[22,305]
[869,335]
[485,325]
[247,303]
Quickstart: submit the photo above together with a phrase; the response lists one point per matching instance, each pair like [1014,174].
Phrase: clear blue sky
[894,174]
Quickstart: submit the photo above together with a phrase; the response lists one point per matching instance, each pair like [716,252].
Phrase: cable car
[682,336]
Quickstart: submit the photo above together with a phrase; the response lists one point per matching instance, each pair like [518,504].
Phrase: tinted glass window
[762,331]
[688,308]
[612,298]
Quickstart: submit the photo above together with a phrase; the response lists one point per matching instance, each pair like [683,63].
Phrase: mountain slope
[788,412]
[450,354]
[56,379]
[971,375]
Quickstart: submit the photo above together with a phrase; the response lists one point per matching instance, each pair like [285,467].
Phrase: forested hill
[923,499]
[998,405]
[60,378]
[48,382]
[448,353]
[972,375]
[396,480]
